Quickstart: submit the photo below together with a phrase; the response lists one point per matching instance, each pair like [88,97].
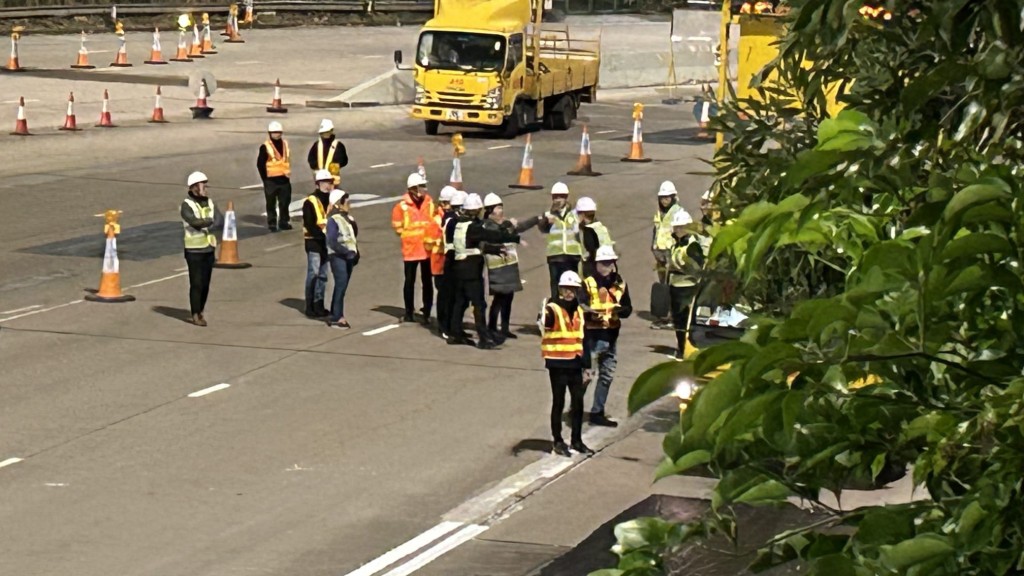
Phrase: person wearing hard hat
[503,279]
[685,262]
[343,251]
[446,295]
[274,165]
[314,227]
[470,240]
[605,300]
[328,153]
[567,360]
[438,253]
[561,225]
[411,219]
[594,233]
[662,242]
[200,219]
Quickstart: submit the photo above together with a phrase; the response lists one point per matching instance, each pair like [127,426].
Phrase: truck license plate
[455,115]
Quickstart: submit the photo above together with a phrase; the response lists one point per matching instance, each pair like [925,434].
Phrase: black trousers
[500,304]
[442,286]
[571,379]
[200,270]
[469,292]
[426,279]
[556,268]
[279,196]
[680,299]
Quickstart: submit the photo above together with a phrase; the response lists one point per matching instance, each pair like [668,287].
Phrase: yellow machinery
[488,64]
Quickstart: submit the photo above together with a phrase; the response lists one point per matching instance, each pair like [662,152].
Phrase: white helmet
[196,177]
[275,126]
[322,176]
[586,204]
[336,195]
[570,279]
[459,198]
[473,202]
[492,199]
[682,218]
[446,194]
[559,189]
[667,189]
[414,180]
[606,254]
[325,126]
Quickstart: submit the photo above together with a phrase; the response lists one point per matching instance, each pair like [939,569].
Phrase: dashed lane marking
[25,309]
[406,549]
[381,330]
[605,131]
[40,311]
[178,275]
[499,147]
[209,390]
[377,201]
[276,248]
[384,165]
[27,100]
[251,187]
[9,461]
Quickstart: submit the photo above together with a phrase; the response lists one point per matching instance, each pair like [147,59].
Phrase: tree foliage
[881,252]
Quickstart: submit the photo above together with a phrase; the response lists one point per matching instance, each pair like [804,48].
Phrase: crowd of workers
[455,246]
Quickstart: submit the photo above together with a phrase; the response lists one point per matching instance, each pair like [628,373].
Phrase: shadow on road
[296,304]
[176,313]
[393,311]
[532,445]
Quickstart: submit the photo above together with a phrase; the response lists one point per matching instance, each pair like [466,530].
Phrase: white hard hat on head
[492,199]
[605,254]
[570,279]
[415,179]
[559,189]
[275,126]
[446,194]
[473,202]
[586,204]
[459,198]
[325,126]
[667,189]
[322,176]
[682,218]
[336,195]
[197,177]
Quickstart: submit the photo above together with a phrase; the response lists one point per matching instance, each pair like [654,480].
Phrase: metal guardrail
[55,8]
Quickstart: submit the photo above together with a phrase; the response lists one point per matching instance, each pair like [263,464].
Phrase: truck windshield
[461,51]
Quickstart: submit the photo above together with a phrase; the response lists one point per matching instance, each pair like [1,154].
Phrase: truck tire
[562,115]
[431,126]
[514,123]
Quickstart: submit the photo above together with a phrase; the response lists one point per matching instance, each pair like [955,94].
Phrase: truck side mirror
[398,58]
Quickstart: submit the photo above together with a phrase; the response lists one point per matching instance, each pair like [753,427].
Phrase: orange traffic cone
[229,242]
[201,111]
[105,120]
[229,23]
[182,54]
[275,105]
[234,37]
[208,47]
[583,167]
[121,59]
[12,63]
[110,279]
[250,18]
[21,124]
[158,109]
[155,55]
[526,170]
[636,149]
[196,51]
[82,63]
[70,123]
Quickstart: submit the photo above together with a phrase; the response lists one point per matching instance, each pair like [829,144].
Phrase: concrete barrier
[392,87]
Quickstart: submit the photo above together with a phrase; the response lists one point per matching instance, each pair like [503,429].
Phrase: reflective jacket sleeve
[309,221]
[525,225]
[398,219]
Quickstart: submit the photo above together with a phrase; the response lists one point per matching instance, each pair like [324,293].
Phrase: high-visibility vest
[412,224]
[199,239]
[663,239]
[508,258]
[449,246]
[278,164]
[322,161]
[564,341]
[602,303]
[346,234]
[681,266]
[604,238]
[563,238]
[321,216]
[461,251]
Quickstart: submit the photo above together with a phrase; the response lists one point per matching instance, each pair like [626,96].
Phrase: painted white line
[25,309]
[377,201]
[381,330]
[251,187]
[404,550]
[384,165]
[158,280]
[40,311]
[249,62]
[9,461]
[275,248]
[499,147]
[369,56]
[55,484]
[447,545]
[209,390]
[181,269]
[605,131]
[358,197]
[27,100]
[316,83]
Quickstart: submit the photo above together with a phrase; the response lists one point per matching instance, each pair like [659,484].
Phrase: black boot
[599,419]
[318,308]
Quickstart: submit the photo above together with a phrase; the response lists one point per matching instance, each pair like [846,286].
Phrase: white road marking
[358,197]
[249,62]
[499,147]
[605,131]
[368,56]
[25,309]
[381,330]
[27,100]
[316,83]
[209,390]
[181,269]
[447,545]
[9,461]
[384,165]
[171,277]
[252,187]
[377,201]
[40,311]
[404,550]
[281,247]
[55,484]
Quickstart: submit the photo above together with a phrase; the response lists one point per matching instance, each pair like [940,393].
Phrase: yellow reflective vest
[564,341]
[199,239]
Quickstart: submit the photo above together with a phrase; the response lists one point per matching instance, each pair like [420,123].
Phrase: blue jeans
[341,269]
[316,278]
[602,354]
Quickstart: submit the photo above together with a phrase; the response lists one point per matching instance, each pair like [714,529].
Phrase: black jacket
[340,155]
[318,242]
[263,156]
[488,240]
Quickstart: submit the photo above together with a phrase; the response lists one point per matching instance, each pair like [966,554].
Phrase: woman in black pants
[503,269]
[201,219]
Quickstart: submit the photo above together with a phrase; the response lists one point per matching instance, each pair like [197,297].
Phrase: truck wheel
[510,128]
[431,126]
[560,116]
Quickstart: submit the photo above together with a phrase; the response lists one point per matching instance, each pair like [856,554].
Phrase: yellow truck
[488,64]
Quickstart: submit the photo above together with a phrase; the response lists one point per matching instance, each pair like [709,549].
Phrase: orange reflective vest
[278,164]
[602,304]
[435,237]
[413,225]
[321,216]
[564,341]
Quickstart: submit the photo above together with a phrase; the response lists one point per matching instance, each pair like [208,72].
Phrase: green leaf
[923,548]
[969,279]
[884,525]
[970,517]
[847,142]
[976,244]
[726,238]
[608,572]
[656,382]
[877,465]
[708,406]
[810,163]
[765,492]
[988,190]
[669,468]
[832,565]
[642,533]
[718,355]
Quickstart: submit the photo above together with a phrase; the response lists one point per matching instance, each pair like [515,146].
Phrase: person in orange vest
[605,300]
[314,228]
[567,361]
[412,219]
[274,166]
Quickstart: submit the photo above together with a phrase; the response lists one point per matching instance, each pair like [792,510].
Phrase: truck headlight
[493,98]
[421,95]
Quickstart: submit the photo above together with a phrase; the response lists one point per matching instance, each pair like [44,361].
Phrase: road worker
[274,165]
[411,219]
[470,239]
[343,251]
[684,265]
[503,279]
[200,219]
[561,225]
[567,361]
[314,227]
[328,153]
[594,234]
[446,297]
[439,252]
[662,240]
[605,300]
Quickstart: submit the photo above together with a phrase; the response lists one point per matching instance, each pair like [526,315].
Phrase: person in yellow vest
[606,301]
[684,270]
[594,234]
[314,228]
[567,362]
[343,251]
[200,219]
[662,240]
[274,165]
[561,225]
[328,153]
